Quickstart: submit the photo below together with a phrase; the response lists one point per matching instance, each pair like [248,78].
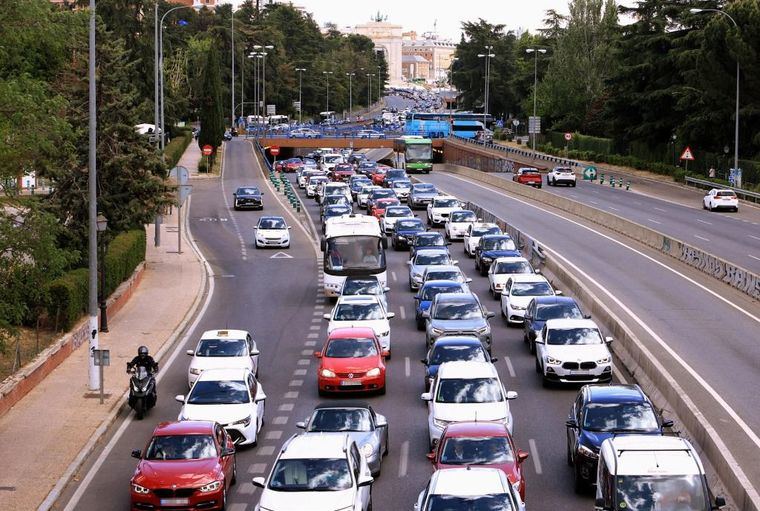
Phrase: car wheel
[573,184]
[420,325]
[538,367]
[569,455]
[579,485]
[532,347]
[287,246]
[736,209]
[369,505]
[256,245]
[704,206]
[236,208]
[539,187]
[321,392]
[223,505]
[382,390]
[233,479]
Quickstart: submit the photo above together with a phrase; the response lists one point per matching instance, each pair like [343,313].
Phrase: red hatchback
[480,444]
[378,176]
[343,172]
[188,465]
[351,361]
[378,208]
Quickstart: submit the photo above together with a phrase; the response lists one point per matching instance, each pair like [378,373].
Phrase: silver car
[457,314]
[357,419]
[424,258]
[365,286]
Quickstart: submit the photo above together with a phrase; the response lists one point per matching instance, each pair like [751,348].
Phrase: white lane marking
[754,257]
[317,313]
[316,320]
[267,450]
[534,455]
[293,394]
[243,248]
[257,468]
[407,367]
[273,435]
[703,222]
[287,407]
[593,202]
[301,372]
[315,327]
[660,209]
[393,276]
[613,209]
[753,237]
[295,383]
[510,369]
[244,489]
[319,308]
[304,362]
[310,343]
[312,335]
[701,237]
[403,463]
[402,312]
[307,353]
[654,221]
[280,419]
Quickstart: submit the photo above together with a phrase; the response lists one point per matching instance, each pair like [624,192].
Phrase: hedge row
[69,293]
[176,148]
[582,142]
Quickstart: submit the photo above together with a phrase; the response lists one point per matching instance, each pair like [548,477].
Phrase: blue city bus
[443,124]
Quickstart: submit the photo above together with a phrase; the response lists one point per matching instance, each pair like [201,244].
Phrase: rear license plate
[350,383]
[175,502]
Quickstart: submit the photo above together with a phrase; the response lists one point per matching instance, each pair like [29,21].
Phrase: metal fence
[741,193]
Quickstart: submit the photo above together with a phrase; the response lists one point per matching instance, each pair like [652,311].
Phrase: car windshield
[445,203]
[432,259]
[335,199]
[248,191]
[409,225]
[451,275]
[455,353]
[457,310]
[337,210]
[351,348]
[620,417]
[429,291]
[222,348]
[181,447]
[382,193]
[424,188]
[398,212]
[574,337]
[361,287]
[498,244]
[213,392]
[477,451]
[401,184]
[272,223]
[393,174]
[558,311]
[347,253]
[490,502]
[359,312]
[469,390]
[482,231]
[333,159]
[513,267]
[341,419]
[320,474]
[531,289]
[463,216]
[665,492]
[418,152]
[429,240]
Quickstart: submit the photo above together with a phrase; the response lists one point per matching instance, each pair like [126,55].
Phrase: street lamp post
[350,96]
[535,51]
[736,114]
[232,78]
[300,102]
[102,227]
[327,90]
[488,55]
[264,75]
[92,193]
[379,83]
[369,91]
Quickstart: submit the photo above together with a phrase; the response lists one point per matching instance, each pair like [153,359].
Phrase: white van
[646,472]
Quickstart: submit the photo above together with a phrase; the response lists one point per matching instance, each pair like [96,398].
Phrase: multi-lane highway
[279,299]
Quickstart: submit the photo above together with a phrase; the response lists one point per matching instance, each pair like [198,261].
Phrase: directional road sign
[534,125]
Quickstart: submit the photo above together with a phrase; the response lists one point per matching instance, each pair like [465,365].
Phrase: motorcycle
[142,391]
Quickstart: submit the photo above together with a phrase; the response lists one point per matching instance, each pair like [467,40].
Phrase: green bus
[417,152]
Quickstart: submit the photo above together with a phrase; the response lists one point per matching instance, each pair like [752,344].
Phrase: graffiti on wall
[732,275]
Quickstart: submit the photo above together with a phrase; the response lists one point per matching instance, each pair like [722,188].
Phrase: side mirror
[426,396]
[454,261]
[490,314]
[318,354]
[180,398]
[253,353]
[365,481]
[381,422]
[431,456]
[423,361]
[720,502]
[667,423]
[511,395]
[587,316]
[386,289]
[409,263]
[137,453]
[494,360]
[426,314]
[258,482]
[326,316]
[558,292]
[301,425]
[537,271]
[234,194]
[467,280]
[290,227]
[522,455]
[608,339]
[228,451]
[390,315]
[190,352]
[386,353]
[571,423]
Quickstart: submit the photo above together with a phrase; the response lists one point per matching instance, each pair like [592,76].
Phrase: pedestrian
[711,172]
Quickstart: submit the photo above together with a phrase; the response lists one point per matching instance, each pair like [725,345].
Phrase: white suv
[561,176]
[469,488]
[319,473]
[457,224]
[220,349]
[504,267]
[573,351]
[466,391]
[362,311]
[441,207]
[473,234]
[518,292]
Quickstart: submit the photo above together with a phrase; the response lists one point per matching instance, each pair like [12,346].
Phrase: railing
[740,192]
[280,183]
[520,152]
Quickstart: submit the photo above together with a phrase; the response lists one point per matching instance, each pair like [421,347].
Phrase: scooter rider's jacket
[147,362]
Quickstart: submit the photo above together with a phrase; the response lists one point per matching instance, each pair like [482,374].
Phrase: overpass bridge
[336,142]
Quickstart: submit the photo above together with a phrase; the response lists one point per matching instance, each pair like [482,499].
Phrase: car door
[541,348]
[505,295]
[254,358]
[257,397]
[361,470]
[223,442]
[530,313]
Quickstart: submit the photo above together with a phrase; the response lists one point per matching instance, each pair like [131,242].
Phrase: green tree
[211,116]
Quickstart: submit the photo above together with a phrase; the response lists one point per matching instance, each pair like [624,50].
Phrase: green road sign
[589,173]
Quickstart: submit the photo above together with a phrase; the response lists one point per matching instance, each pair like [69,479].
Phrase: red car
[378,208]
[480,444]
[528,176]
[378,176]
[187,465]
[351,361]
[343,172]
[288,165]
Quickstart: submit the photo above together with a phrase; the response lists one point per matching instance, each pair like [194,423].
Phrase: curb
[121,404]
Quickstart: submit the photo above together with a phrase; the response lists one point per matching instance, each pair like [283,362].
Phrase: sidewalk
[46,430]
[190,158]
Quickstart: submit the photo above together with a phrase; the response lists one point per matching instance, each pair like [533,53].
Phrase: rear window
[726,194]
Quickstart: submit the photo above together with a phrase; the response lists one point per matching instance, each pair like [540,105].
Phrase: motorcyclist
[143,359]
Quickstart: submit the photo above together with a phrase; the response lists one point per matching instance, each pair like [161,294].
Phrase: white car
[561,176]
[333,188]
[518,292]
[330,160]
[363,195]
[391,215]
[441,207]
[272,231]
[313,183]
[720,199]
[362,311]
[573,351]
[502,268]
[466,391]
[402,187]
[469,488]
[303,178]
[319,473]
[221,349]
[473,234]
[231,397]
[457,223]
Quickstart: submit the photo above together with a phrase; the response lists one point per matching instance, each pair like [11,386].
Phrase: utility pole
[92,192]
[350,96]
[232,80]
[535,51]
[327,91]
[300,101]
[488,55]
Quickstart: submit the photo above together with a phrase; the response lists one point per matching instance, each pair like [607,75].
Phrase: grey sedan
[457,314]
[424,258]
[368,429]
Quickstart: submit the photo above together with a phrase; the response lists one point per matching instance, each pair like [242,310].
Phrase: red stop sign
[274,150]
[207,150]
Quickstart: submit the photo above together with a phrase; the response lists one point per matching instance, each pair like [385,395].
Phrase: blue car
[427,292]
[453,349]
[428,239]
[491,247]
[405,231]
[598,413]
[543,308]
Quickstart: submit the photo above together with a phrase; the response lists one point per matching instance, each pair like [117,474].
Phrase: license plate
[578,372]
[175,502]
[349,383]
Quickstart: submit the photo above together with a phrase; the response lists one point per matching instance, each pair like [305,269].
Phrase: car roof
[495,236]
[618,393]
[351,333]
[510,259]
[467,369]
[548,300]
[344,404]
[361,299]
[650,454]
[528,277]
[483,428]
[446,197]
[405,208]
[184,428]
[484,224]
[468,481]
[315,445]
[457,340]
[224,334]
[565,323]
[271,217]
[224,374]
[443,267]
[432,250]
[456,297]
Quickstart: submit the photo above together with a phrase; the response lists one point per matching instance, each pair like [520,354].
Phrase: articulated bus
[443,124]
[353,246]
[417,152]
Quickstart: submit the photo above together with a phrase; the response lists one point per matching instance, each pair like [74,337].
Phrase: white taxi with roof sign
[223,349]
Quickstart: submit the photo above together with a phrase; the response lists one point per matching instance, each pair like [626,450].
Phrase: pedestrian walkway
[191,157]
[45,431]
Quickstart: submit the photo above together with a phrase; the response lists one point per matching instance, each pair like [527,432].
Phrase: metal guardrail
[740,192]
[519,152]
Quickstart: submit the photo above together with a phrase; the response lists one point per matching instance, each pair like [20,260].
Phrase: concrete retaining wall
[725,271]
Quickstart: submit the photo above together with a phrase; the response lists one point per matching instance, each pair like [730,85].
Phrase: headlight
[605,360]
[553,361]
[195,370]
[245,422]
[140,489]
[211,487]
[585,451]
[326,373]
[439,423]
[483,330]
[436,331]
[487,260]
[367,450]
[416,275]
[517,307]
[374,372]
[383,334]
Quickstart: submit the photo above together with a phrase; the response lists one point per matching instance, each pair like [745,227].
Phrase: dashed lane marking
[393,276]
[403,463]
[660,209]
[703,222]
[613,209]
[534,455]
[701,237]
[510,368]
[281,419]
[312,336]
[287,407]
[239,506]
[316,320]
[754,257]
[257,468]
[273,435]
[300,372]
[310,343]
[315,327]
[753,237]
[304,362]
[245,489]
[293,394]
[295,383]
[407,367]
[267,450]
[402,312]
[306,353]
[654,221]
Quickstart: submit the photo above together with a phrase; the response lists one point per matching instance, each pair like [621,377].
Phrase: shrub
[176,148]
[69,297]
[124,253]
[203,164]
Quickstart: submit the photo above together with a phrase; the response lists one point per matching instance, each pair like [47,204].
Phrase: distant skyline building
[428,58]
[388,40]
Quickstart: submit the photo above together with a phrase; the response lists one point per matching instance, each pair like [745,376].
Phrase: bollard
[620,182]
[612,181]
[628,185]
[601,179]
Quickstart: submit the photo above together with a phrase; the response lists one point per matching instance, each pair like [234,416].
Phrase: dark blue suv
[543,308]
[598,413]
[491,247]
[404,232]
[453,349]
[424,297]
